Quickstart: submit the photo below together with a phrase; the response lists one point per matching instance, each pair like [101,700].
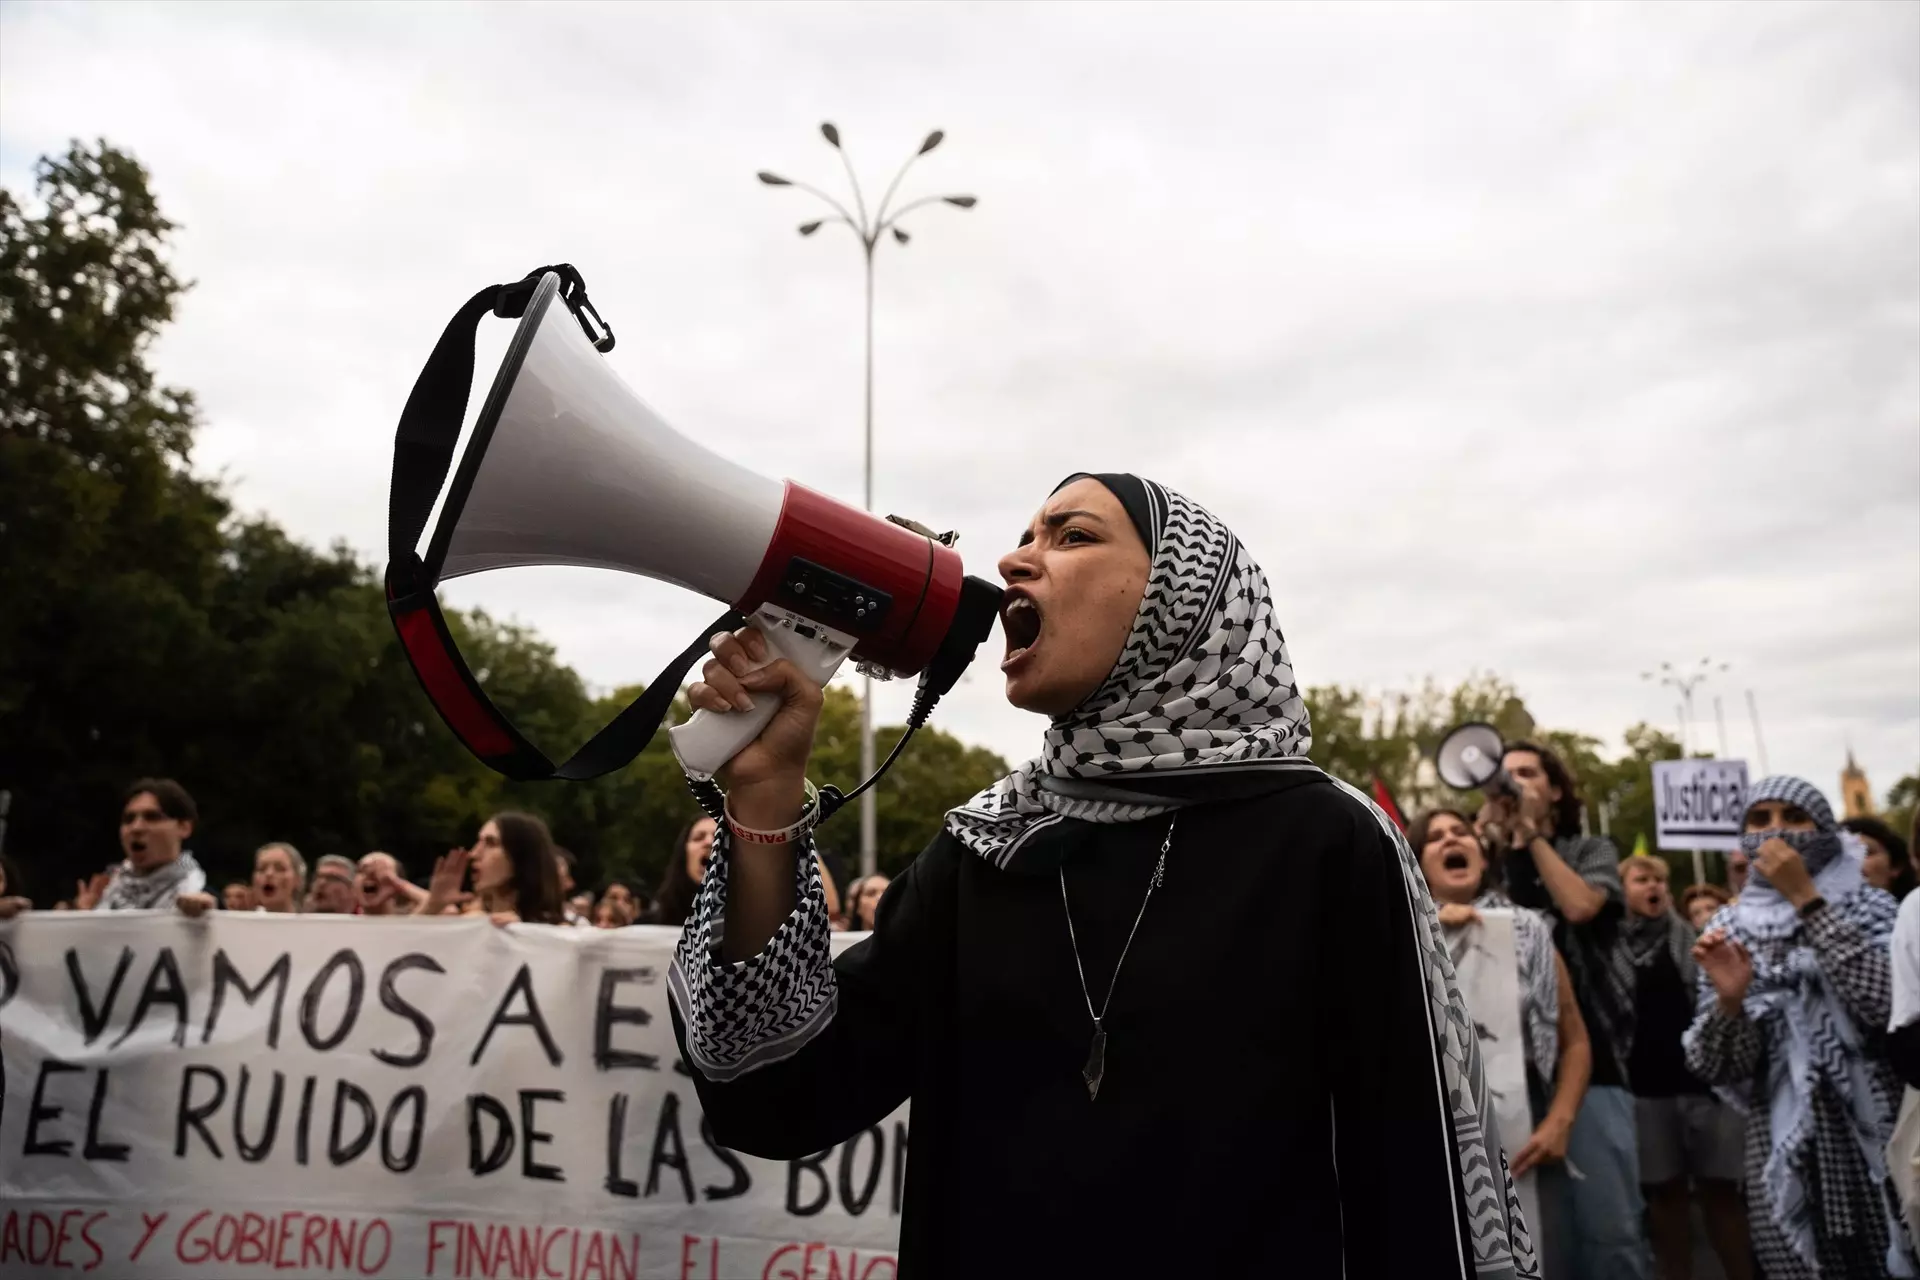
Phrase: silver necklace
[1096,1067]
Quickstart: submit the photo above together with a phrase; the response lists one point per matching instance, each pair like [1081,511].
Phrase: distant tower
[1856,796]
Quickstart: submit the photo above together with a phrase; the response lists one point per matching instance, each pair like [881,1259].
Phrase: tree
[1903,797]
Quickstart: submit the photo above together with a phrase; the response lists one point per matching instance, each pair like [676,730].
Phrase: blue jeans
[1604,1209]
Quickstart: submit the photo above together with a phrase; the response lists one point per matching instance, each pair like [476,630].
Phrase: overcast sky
[1552,340]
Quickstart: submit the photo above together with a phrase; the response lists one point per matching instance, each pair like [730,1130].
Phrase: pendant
[1096,1063]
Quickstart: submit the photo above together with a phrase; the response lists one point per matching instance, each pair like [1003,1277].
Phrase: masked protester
[1795,989]
[1166,973]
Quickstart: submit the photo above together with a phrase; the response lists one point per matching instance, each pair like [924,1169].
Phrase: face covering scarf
[1203,705]
[1812,1040]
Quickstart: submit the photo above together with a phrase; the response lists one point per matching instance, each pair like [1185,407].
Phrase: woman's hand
[1548,1145]
[86,893]
[1781,864]
[11,907]
[1726,964]
[447,888]
[766,781]
[1455,914]
[194,905]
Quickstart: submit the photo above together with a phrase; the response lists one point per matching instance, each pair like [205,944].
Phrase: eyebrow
[1058,518]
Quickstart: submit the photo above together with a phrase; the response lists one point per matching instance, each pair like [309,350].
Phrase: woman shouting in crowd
[1554,1037]
[1794,996]
[1166,999]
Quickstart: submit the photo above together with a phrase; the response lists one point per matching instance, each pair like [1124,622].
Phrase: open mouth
[269,890]
[1021,620]
[137,845]
[1454,861]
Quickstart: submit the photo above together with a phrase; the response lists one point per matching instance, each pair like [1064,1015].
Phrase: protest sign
[1488,970]
[251,1095]
[1698,804]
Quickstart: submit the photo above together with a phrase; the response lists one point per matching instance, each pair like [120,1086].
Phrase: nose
[1022,564]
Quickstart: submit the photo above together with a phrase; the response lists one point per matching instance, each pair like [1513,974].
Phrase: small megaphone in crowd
[567,466]
[1469,757]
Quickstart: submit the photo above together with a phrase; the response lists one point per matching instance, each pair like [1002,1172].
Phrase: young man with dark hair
[1575,880]
[156,818]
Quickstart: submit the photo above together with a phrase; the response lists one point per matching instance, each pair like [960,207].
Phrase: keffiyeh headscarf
[1812,1039]
[154,890]
[1203,692]
[1202,705]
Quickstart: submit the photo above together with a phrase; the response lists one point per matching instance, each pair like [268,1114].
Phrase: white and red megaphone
[566,465]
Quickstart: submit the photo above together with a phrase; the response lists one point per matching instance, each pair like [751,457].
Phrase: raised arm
[792,1052]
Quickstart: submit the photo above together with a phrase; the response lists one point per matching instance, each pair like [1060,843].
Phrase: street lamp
[869,231]
[1686,682]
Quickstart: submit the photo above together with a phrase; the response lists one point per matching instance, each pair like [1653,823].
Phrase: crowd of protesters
[514,872]
[1742,1049]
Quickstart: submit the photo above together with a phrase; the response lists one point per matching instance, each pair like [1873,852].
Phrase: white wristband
[809,817]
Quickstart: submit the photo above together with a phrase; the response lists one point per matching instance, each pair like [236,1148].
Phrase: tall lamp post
[1686,682]
[869,230]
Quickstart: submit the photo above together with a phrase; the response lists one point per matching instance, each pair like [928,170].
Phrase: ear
[186,827]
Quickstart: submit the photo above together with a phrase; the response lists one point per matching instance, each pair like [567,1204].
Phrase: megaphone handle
[708,740]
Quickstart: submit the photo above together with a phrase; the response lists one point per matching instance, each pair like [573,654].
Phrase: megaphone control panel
[708,740]
[819,590]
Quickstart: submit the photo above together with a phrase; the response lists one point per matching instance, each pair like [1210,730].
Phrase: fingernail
[744,702]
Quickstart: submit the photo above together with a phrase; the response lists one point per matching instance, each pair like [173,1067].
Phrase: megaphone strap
[423,451]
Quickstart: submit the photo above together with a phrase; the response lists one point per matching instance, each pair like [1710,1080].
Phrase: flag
[1384,798]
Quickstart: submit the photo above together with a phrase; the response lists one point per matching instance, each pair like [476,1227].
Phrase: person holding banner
[157,816]
[1794,996]
[1167,999]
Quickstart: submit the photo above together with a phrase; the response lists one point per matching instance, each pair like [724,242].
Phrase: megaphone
[567,466]
[1468,759]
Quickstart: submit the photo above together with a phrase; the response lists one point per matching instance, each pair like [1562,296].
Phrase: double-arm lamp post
[869,230]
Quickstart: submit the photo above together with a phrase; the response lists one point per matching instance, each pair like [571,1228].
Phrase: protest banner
[1488,970]
[1698,804]
[250,1095]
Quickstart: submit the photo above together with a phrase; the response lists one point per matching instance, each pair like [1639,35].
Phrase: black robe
[1271,1103]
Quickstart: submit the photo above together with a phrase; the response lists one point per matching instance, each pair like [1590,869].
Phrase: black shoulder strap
[423,451]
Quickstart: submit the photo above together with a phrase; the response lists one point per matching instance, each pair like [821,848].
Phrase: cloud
[1552,340]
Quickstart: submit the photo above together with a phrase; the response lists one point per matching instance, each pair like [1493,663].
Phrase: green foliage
[935,773]
[1392,736]
[1903,797]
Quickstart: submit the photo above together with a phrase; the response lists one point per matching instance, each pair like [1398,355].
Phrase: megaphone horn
[1468,758]
[567,466]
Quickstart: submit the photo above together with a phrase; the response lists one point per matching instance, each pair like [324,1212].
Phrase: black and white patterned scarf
[1203,692]
[154,890]
[1811,1037]
[1202,705]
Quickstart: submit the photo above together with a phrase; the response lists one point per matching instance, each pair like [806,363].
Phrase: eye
[1072,534]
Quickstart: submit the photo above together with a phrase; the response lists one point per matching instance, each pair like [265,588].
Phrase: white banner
[1698,804]
[254,1095]
[1488,969]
